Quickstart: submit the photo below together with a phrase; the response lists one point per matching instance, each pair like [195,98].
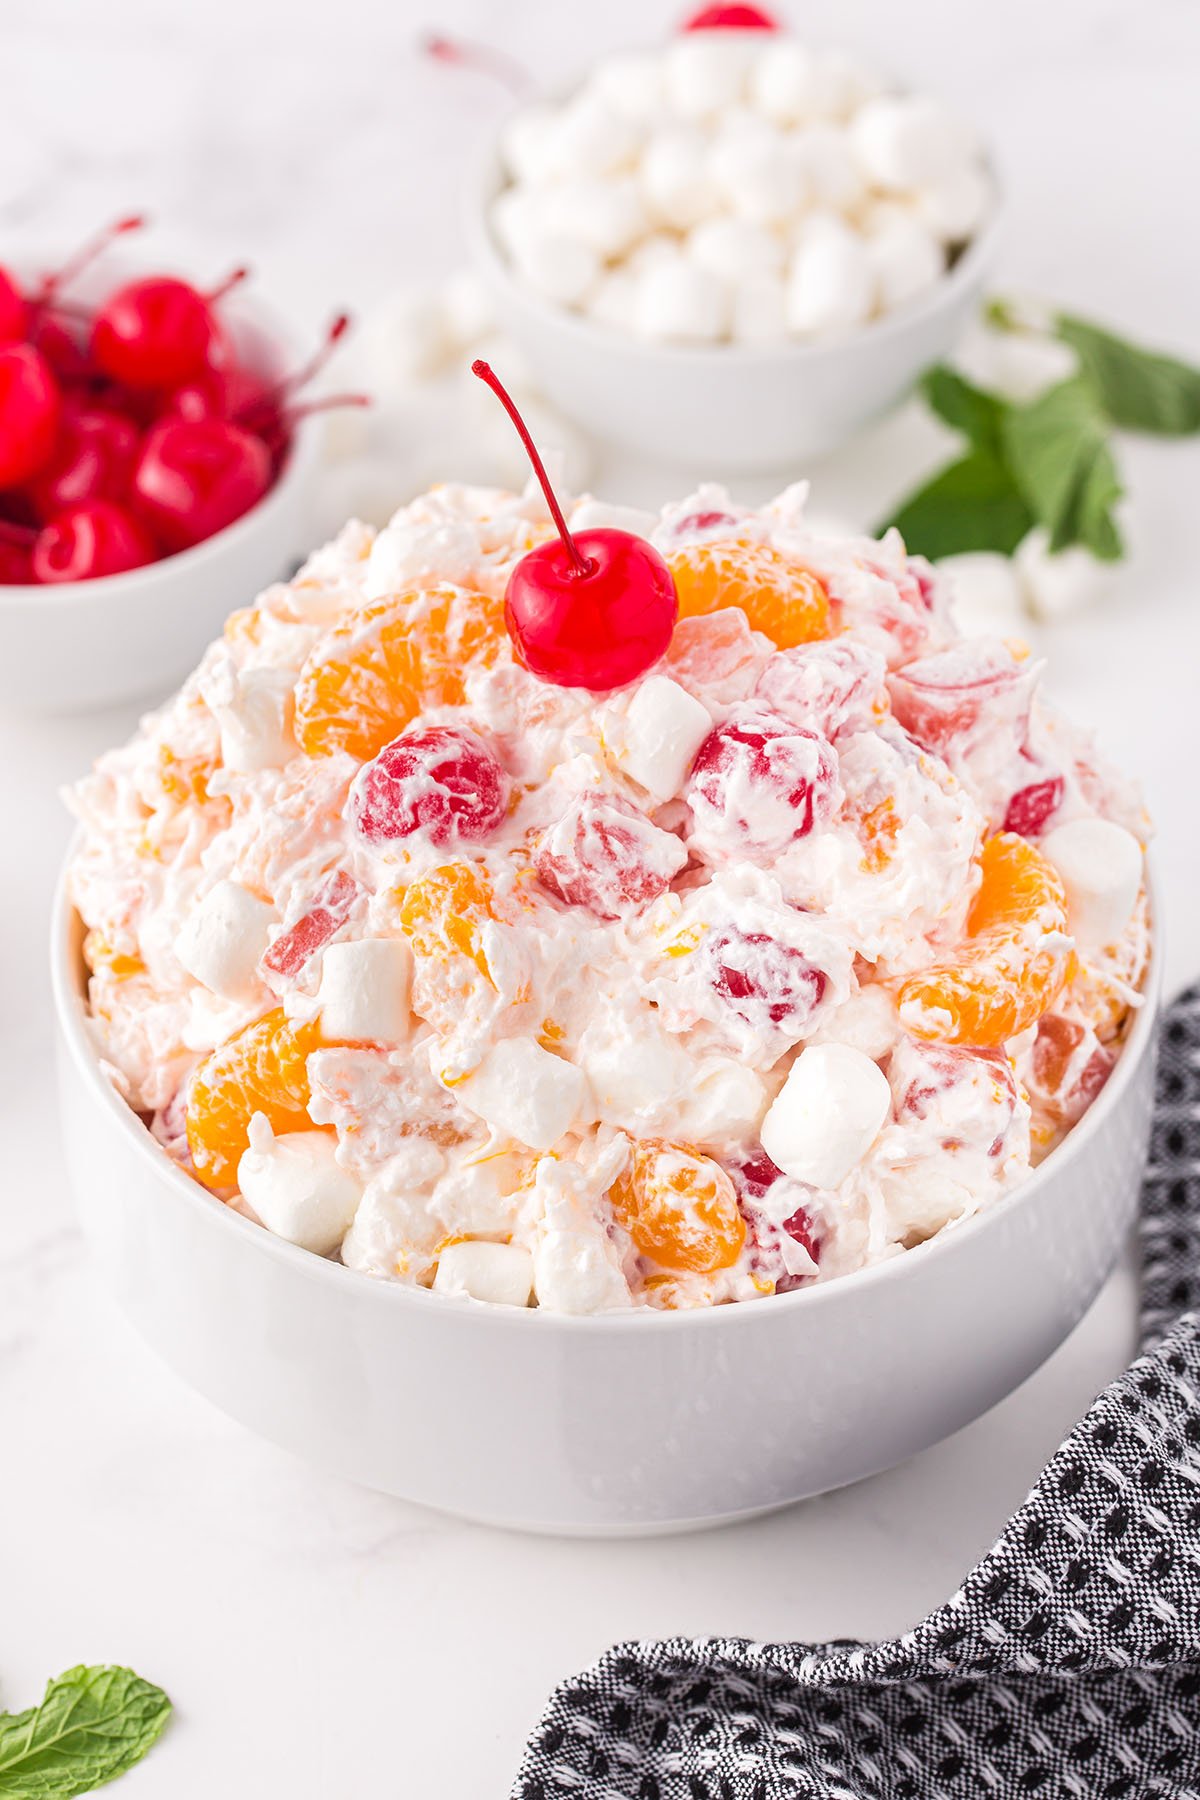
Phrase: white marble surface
[319,1640]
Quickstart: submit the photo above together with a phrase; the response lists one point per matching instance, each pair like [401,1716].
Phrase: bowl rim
[967,272]
[74,1033]
[302,459]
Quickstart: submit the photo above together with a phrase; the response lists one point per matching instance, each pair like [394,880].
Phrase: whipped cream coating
[691,883]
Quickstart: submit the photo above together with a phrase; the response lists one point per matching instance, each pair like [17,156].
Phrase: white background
[319,1640]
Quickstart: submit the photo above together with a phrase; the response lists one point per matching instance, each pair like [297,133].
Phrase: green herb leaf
[965,407]
[1138,389]
[92,1725]
[1058,452]
[973,504]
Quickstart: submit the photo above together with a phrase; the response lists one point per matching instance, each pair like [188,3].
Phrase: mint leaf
[973,504]
[967,408]
[1057,449]
[1093,525]
[1138,389]
[92,1725]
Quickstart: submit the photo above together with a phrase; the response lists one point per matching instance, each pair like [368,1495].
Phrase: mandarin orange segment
[779,596]
[370,676]
[679,1208]
[1015,959]
[261,1068]
[444,911]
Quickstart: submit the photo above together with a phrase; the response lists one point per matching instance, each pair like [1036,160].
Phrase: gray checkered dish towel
[1067,1664]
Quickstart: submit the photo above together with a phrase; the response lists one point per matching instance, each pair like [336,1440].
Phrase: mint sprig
[1048,461]
[91,1726]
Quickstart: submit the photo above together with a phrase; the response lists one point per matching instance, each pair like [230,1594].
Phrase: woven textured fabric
[1067,1664]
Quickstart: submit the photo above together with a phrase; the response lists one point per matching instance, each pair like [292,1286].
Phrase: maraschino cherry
[196,476]
[93,460]
[159,332]
[594,610]
[30,408]
[731,18]
[89,541]
[15,543]
[12,310]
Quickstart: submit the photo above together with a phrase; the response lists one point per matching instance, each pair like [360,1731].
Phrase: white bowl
[631,1423]
[729,407]
[123,637]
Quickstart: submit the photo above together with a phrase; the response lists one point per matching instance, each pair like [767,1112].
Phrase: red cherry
[15,544]
[93,460]
[89,541]
[800,1226]
[30,407]
[332,903]
[196,476]
[731,18]
[59,344]
[251,400]
[12,310]
[593,611]
[606,855]
[1031,808]
[761,782]
[158,331]
[765,982]
[442,781]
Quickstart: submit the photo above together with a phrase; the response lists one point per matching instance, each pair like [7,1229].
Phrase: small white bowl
[93,643]
[629,1423]
[729,407]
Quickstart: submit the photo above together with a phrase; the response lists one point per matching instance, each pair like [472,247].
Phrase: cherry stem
[461,53]
[84,256]
[299,378]
[11,533]
[227,286]
[580,565]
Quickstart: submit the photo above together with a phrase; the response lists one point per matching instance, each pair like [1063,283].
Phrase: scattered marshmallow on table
[827,1114]
[297,1187]
[1101,868]
[741,141]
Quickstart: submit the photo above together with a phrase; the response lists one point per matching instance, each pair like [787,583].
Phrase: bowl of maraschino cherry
[156,459]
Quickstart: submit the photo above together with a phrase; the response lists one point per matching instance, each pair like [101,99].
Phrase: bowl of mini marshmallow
[733,249]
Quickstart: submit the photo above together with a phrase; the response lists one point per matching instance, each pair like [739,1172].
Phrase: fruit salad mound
[803,946]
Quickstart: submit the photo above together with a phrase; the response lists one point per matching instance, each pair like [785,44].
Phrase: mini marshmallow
[467,305]
[296,1186]
[521,216]
[557,267]
[827,1114]
[404,339]
[607,214]
[840,85]
[906,259]
[986,593]
[955,205]
[908,141]
[680,303]
[223,939]
[525,143]
[783,83]
[759,314]
[631,83]
[255,724]
[677,179]
[867,1020]
[831,285]
[1058,583]
[1101,868]
[613,302]
[363,994]
[635,1082]
[525,1093]
[734,249]
[704,73]
[721,1099]
[832,176]
[664,728]
[479,1270]
[591,138]
[761,175]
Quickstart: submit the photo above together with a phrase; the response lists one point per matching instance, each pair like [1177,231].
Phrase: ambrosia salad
[802,945]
